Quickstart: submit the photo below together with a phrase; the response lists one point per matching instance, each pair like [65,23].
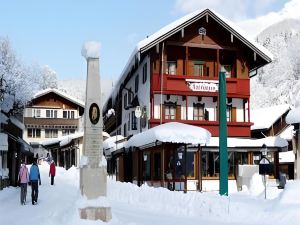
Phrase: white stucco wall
[143,97]
[210,106]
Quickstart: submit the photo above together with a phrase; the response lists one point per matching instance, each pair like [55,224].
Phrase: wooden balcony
[50,121]
[178,84]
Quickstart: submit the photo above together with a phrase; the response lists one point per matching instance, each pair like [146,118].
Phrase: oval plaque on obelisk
[94,113]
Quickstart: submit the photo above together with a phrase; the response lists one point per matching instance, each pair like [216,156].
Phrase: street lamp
[264,150]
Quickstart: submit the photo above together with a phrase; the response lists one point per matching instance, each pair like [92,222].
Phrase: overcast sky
[53,32]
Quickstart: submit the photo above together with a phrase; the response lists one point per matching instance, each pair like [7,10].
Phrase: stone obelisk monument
[93,173]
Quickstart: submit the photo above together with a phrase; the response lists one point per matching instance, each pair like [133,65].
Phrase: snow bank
[58,204]
[291,193]
[90,49]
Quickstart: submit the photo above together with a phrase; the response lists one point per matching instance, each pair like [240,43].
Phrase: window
[48,113]
[68,114]
[30,132]
[190,164]
[179,163]
[38,113]
[229,113]
[136,85]
[199,68]
[129,96]
[210,164]
[157,166]
[145,73]
[170,112]
[51,133]
[68,131]
[125,130]
[38,133]
[33,133]
[147,166]
[51,113]
[129,122]
[198,112]
[125,101]
[171,68]
[65,114]
[133,121]
[227,70]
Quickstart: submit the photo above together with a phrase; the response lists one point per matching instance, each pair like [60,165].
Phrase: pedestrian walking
[23,178]
[35,180]
[52,171]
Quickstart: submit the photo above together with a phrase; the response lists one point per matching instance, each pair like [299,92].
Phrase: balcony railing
[50,121]
[179,83]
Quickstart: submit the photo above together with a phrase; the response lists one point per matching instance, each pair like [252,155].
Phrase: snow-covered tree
[18,82]
[48,78]
[279,82]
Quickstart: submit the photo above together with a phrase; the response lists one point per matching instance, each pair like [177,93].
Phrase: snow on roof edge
[264,118]
[58,92]
[170,132]
[293,116]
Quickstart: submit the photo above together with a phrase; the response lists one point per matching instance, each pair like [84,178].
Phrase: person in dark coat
[52,171]
[35,180]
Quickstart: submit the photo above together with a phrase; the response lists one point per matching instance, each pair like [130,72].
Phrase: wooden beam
[186,71]
[196,45]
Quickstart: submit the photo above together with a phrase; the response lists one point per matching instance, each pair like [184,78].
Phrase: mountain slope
[278,82]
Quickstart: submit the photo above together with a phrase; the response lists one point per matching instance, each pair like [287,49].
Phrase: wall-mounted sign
[203,85]
[94,113]
[202,31]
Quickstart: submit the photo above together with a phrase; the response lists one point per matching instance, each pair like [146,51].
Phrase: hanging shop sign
[203,85]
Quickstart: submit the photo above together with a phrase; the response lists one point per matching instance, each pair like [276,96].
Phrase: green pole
[223,135]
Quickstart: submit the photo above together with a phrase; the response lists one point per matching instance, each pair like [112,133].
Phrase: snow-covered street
[58,204]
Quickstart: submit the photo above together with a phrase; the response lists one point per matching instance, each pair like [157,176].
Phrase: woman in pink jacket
[23,179]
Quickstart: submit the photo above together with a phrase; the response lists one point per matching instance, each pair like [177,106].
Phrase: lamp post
[223,134]
[264,165]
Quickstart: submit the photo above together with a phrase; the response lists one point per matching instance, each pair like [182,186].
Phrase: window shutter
[178,112]
[233,116]
[163,111]
[206,115]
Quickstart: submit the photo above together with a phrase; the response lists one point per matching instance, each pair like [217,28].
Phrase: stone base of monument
[96,213]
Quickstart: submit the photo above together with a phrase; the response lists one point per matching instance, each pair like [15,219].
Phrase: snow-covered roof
[286,157]
[62,141]
[293,116]
[60,93]
[172,132]
[274,141]
[287,133]
[111,141]
[105,134]
[264,118]
[183,22]
[67,139]
[26,146]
